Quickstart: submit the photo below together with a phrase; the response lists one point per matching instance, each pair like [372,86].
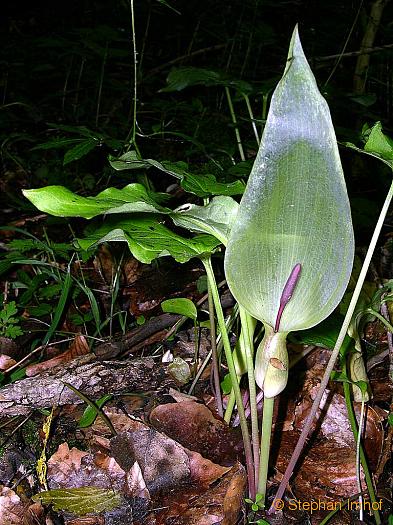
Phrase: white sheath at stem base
[271,362]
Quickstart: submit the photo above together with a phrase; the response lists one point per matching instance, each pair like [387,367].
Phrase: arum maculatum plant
[291,248]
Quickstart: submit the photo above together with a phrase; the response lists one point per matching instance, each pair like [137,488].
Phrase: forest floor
[159,453]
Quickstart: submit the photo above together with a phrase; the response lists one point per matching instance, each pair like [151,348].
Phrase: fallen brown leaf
[163,462]
[202,470]
[78,347]
[195,427]
[12,509]
[218,505]
[74,468]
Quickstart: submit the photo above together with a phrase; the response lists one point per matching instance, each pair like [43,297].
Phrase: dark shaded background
[71,63]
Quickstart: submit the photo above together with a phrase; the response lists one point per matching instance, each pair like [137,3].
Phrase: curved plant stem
[230,406]
[268,405]
[228,354]
[381,318]
[341,336]
[354,428]
[248,346]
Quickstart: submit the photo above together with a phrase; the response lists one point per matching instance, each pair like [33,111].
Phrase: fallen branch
[92,378]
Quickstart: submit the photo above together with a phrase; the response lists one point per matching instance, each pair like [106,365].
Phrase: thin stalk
[234,120]
[249,347]
[363,460]
[216,372]
[144,40]
[358,478]
[133,129]
[341,336]
[250,112]
[230,406]
[228,323]
[265,100]
[228,354]
[99,95]
[267,419]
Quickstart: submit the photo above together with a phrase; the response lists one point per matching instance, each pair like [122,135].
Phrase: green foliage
[377,144]
[61,202]
[9,324]
[216,218]
[90,413]
[180,306]
[257,504]
[148,239]
[181,78]
[201,184]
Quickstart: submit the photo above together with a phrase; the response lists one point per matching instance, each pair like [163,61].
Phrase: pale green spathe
[295,209]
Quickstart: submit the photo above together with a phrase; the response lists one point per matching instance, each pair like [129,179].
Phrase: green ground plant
[9,322]
[294,226]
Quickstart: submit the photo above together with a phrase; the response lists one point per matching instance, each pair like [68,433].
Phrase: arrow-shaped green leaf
[59,201]
[148,239]
[201,184]
[295,210]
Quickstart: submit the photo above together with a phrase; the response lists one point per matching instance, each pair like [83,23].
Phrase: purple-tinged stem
[287,292]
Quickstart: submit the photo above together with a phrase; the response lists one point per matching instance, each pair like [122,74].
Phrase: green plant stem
[267,418]
[265,100]
[249,348]
[101,84]
[133,129]
[228,354]
[230,406]
[358,445]
[363,460]
[250,112]
[234,120]
[216,371]
[341,336]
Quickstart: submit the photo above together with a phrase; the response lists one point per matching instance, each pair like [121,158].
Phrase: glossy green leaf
[216,218]
[325,334]
[183,77]
[80,150]
[90,413]
[80,501]
[180,305]
[377,145]
[295,209]
[59,201]
[56,143]
[201,184]
[148,239]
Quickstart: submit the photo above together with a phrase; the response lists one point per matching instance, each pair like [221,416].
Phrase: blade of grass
[60,305]
[94,407]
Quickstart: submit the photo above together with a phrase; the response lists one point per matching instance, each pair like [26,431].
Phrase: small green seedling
[257,504]
[9,324]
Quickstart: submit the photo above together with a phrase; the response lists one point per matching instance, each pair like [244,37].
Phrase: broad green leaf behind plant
[216,218]
[59,201]
[147,239]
